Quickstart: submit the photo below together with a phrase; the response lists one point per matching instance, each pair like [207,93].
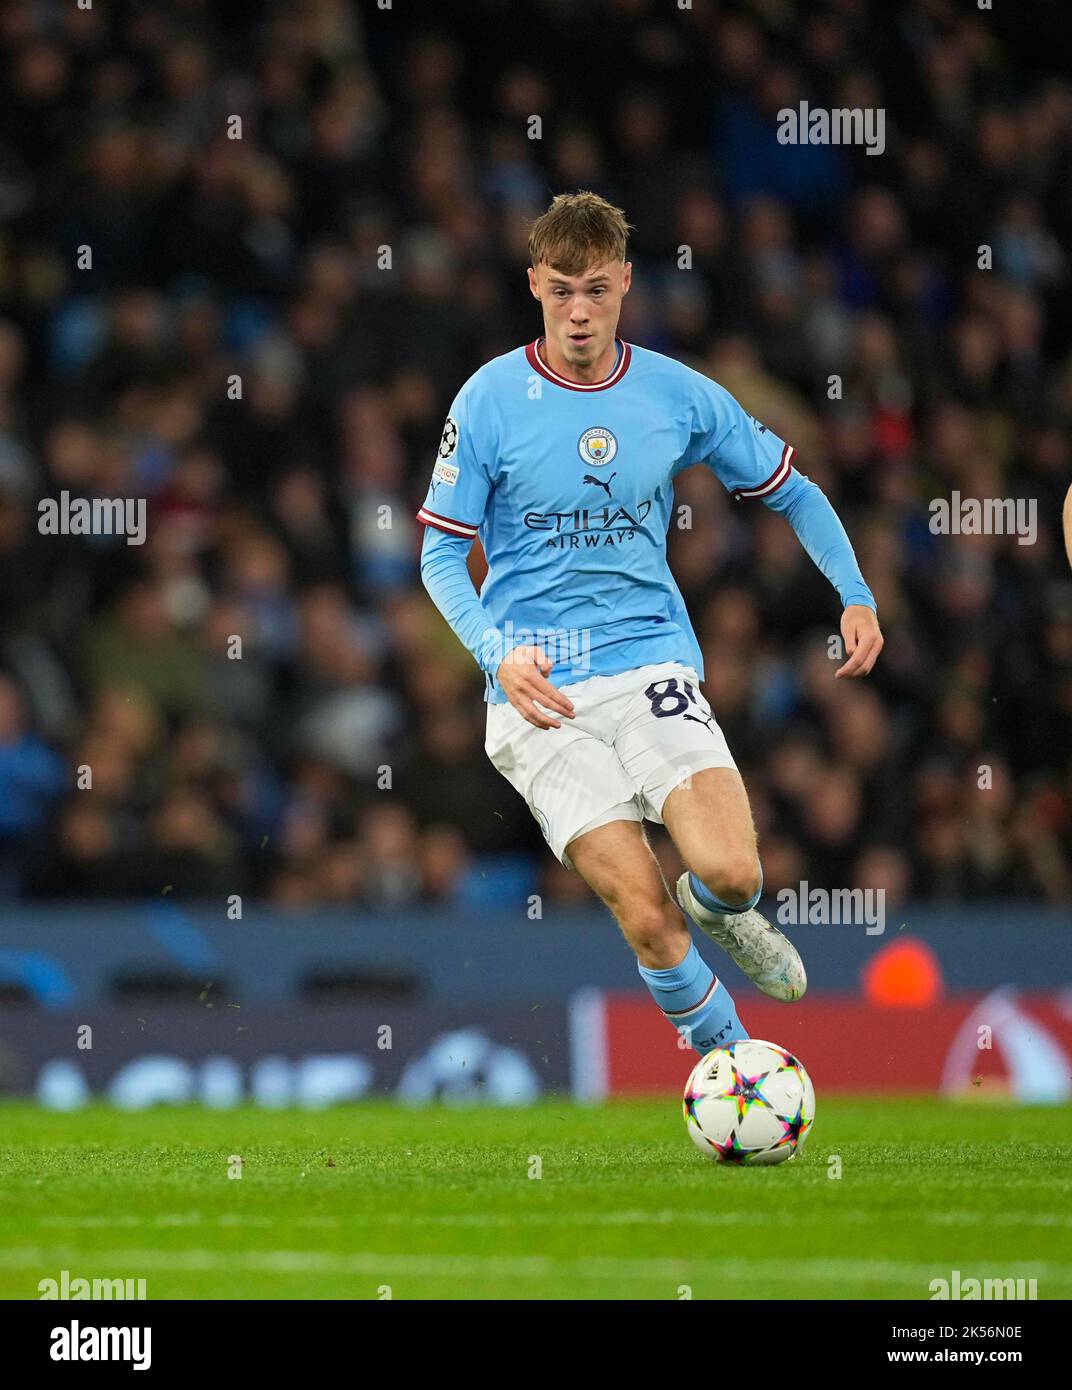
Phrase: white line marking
[198,1261]
[666,1217]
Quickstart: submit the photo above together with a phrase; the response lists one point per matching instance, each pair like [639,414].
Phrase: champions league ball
[749,1102]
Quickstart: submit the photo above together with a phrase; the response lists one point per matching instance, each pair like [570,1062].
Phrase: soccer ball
[749,1102]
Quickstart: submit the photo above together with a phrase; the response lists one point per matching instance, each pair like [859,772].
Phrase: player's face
[580,315]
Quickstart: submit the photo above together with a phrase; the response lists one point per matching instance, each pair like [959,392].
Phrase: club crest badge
[597,446]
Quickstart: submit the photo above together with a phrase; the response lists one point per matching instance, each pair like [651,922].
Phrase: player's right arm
[452,512]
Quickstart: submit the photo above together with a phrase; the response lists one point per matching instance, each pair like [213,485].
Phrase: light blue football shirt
[570,489]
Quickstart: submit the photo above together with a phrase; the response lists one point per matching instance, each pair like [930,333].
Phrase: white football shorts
[634,738]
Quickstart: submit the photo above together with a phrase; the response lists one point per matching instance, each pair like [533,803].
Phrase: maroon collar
[620,369]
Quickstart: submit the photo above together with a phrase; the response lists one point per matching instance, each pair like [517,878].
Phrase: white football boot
[767,957]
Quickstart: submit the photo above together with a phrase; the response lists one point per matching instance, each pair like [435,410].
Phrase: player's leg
[576,787]
[616,861]
[677,757]
[710,822]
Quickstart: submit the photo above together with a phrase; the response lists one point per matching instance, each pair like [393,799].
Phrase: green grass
[439,1203]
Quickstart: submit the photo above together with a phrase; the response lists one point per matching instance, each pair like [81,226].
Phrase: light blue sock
[704,895]
[691,997]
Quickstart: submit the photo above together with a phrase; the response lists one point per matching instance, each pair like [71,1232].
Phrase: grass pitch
[439,1203]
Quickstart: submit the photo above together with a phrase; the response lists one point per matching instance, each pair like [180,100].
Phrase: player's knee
[733,879]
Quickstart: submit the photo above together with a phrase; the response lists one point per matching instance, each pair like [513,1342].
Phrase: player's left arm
[822,535]
[752,462]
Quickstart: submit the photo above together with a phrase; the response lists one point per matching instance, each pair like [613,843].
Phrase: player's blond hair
[577,231]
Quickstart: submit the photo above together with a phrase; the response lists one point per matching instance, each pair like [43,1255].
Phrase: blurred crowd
[306,227]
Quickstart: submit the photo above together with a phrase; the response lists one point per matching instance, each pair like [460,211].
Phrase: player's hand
[523,676]
[863,641]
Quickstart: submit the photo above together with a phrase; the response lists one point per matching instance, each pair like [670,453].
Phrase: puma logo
[598,482]
[697,720]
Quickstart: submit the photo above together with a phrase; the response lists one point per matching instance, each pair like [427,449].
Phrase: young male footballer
[562,457]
